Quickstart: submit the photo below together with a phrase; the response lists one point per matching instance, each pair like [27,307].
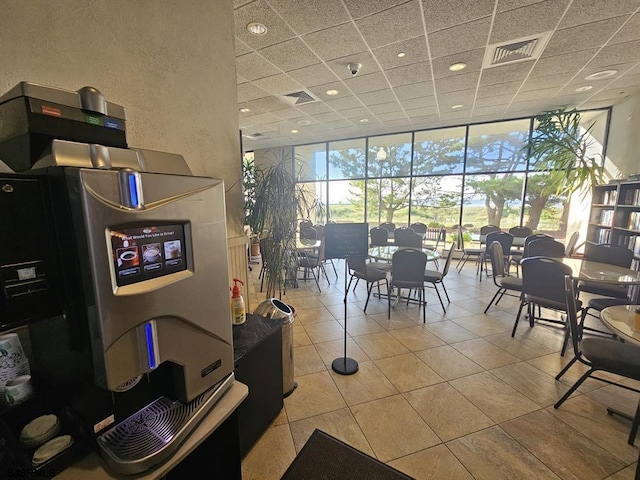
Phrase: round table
[386,252]
[620,320]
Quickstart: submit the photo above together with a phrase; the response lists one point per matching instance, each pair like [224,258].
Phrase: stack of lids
[40,432]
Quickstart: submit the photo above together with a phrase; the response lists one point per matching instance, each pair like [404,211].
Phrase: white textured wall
[623,149]
[171,64]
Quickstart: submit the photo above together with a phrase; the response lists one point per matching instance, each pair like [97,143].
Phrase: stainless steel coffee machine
[144,347]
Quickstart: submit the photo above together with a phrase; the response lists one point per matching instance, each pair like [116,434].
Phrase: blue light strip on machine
[133,190]
[151,352]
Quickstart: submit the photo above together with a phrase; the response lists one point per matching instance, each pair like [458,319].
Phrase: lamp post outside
[381,156]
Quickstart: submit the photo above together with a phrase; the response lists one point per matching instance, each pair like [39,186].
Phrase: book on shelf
[634,221]
[632,197]
[603,236]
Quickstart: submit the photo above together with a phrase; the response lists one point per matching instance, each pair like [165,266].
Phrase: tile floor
[455,398]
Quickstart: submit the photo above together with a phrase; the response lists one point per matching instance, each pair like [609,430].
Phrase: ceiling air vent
[254,136]
[298,98]
[513,51]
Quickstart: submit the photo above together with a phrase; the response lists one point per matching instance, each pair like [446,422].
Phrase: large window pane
[497,147]
[390,156]
[544,211]
[311,161]
[346,200]
[347,159]
[493,199]
[439,151]
[314,204]
[436,201]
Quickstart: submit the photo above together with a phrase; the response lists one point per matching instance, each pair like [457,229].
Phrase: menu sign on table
[346,240]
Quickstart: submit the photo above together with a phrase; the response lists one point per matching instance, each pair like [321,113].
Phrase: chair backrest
[357,264]
[505,239]
[572,314]
[571,244]
[379,236]
[520,232]
[319,231]
[545,248]
[543,277]
[419,228]
[447,262]
[390,227]
[609,254]
[406,237]
[533,238]
[497,259]
[487,229]
[308,233]
[407,267]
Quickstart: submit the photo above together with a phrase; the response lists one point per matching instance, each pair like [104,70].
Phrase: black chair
[361,270]
[545,247]
[389,226]
[599,354]
[542,287]
[611,255]
[407,271]
[313,264]
[419,227]
[505,239]
[379,236]
[406,237]
[504,282]
[515,259]
[520,232]
[320,236]
[435,277]
[467,252]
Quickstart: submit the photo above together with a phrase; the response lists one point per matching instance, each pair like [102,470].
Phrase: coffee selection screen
[142,253]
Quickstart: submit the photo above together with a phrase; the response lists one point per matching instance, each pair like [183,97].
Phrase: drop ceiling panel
[458,82]
[363,8]
[400,23]
[336,42]
[310,15]
[472,58]
[366,83]
[415,50]
[586,11]
[278,84]
[440,15]
[253,66]
[460,38]
[313,75]
[591,35]
[614,54]
[629,32]
[408,74]
[289,55]
[525,21]
[259,10]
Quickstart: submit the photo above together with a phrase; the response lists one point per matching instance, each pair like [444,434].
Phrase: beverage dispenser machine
[143,348]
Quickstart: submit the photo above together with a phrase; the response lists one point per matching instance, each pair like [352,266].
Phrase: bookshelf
[615,216]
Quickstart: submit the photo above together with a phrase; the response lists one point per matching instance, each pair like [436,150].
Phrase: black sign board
[346,240]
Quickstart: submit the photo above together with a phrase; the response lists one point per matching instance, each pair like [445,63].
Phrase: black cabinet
[257,348]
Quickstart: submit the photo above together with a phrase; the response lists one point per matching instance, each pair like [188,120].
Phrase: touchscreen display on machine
[145,252]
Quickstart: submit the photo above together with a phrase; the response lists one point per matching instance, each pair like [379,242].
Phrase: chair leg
[445,291]
[491,302]
[435,286]
[349,285]
[567,367]
[423,299]
[515,325]
[370,287]
[634,426]
[573,387]
[388,299]
[565,341]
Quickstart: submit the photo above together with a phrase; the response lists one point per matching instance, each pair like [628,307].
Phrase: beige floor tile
[367,384]
[316,394]
[398,319]
[281,419]
[628,473]
[393,428]
[454,311]
[300,337]
[449,363]
[535,384]
[324,331]
[416,338]
[450,332]
[434,463]
[615,397]
[261,464]
[496,399]
[306,360]
[552,364]
[447,412]
[523,348]
[353,310]
[340,424]
[329,351]
[380,345]
[361,326]
[303,304]
[483,325]
[309,316]
[491,454]
[565,450]
[590,418]
[407,372]
[485,353]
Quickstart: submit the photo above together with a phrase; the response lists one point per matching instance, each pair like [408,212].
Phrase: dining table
[385,252]
[620,320]
[590,271]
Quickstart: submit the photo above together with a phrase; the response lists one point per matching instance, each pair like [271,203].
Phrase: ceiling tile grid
[403,50]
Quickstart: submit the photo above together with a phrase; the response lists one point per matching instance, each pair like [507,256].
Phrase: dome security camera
[354,68]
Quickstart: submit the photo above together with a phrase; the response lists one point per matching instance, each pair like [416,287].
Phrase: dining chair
[501,279]
[379,237]
[407,271]
[545,247]
[505,239]
[515,258]
[389,226]
[406,237]
[599,354]
[467,252]
[361,270]
[570,247]
[435,277]
[542,287]
[308,233]
[520,232]
[419,227]
[320,236]
[611,255]
[313,264]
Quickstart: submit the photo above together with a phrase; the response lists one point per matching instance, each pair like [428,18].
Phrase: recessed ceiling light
[457,106]
[257,28]
[363,120]
[401,54]
[304,122]
[456,67]
[601,75]
[332,92]
[586,88]
[294,131]
[245,110]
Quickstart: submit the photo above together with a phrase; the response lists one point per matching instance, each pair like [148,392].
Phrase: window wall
[470,175]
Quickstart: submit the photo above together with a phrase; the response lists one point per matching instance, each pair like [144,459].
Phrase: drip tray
[151,435]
